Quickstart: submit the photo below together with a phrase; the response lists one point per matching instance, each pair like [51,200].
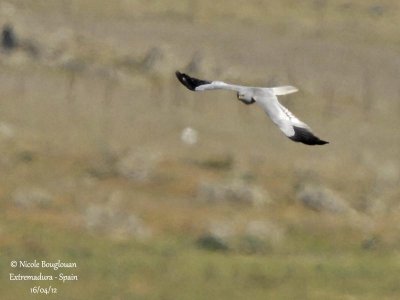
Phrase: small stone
[31,197]
[233,192]
[113,219]
[320,198]
[139,166]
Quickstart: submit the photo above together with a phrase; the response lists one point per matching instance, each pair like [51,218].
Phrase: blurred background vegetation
[95,170]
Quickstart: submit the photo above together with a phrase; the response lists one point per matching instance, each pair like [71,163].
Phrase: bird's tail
[284,90]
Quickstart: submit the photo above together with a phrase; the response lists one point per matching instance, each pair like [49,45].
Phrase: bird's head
[243,96]
[246,97]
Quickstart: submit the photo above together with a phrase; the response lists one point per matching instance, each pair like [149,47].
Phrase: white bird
[291,126]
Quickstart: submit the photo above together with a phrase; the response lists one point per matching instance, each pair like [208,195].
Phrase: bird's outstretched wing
[288,123]
[190,82]
[195,84]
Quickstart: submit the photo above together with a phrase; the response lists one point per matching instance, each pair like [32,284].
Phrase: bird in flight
[291,126]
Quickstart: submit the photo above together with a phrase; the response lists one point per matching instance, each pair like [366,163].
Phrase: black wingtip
[322,142]
[303,135]
[183,78]
[190,82]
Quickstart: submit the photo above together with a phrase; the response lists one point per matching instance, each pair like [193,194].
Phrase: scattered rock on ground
[218,236]
[234,192]
[257,236]
[114,220]
[31,197]
[7,131]
[321,198]
[139,166]
[265,230]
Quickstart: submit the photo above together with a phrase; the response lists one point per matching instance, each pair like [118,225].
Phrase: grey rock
[112,219]
[139,165]
[265,230]
[31,197]
[256,236]
[233,192]
[218,236]
[321,198]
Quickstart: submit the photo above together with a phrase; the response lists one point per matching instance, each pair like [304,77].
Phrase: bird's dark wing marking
[190,82]
[305,136]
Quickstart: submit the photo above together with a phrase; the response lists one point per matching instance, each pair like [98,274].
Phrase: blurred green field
[93,169]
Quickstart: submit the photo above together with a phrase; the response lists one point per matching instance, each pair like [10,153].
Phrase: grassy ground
[93,170]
